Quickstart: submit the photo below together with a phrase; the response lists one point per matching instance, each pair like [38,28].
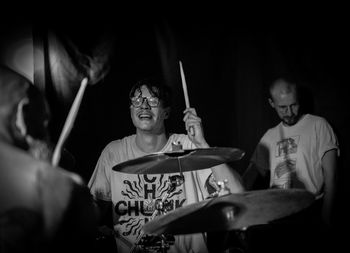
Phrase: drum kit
[228,212]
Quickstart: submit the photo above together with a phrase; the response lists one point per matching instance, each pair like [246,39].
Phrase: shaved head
[282,87]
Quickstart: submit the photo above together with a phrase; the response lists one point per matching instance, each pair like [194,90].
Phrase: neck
[150,142]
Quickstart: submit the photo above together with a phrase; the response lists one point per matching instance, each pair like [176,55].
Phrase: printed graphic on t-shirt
[287,146]
[285,154]
[141,198]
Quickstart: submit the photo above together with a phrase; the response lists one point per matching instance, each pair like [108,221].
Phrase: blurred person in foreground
[42,208]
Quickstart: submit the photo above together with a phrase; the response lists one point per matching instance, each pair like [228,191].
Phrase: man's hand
[194,128]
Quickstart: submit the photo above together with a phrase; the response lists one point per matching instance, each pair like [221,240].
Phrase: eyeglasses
[151,101]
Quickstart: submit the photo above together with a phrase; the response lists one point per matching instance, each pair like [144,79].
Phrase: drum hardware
[223,189]
[161,243]
[176,161]
[231,212]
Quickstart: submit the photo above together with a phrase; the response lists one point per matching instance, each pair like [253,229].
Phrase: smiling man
[133,198]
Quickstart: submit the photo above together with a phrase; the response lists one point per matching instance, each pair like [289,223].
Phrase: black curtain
[227,70]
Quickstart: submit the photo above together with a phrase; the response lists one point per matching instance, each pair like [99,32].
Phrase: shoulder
[269,133]
[318,121]
[117,151]
[66,197]
[57,177]
[59,186]
[316,118]
[117,144]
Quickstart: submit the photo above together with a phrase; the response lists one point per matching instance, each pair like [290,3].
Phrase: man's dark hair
[157,88]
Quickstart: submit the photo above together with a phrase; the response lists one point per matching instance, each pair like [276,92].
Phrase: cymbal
[232,211]
[180,160]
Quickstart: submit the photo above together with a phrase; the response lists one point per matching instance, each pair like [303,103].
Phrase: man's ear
[271,103]
[167,113]
[20,122]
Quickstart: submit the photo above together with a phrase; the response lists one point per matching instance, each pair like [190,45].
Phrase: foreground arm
[250,176]
[329,164]
[224,172]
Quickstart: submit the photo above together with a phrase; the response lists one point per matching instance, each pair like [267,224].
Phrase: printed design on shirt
[287,146]
[141,199]
[286,151]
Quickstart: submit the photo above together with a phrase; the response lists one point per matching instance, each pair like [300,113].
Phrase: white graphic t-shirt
[293,154]
[135,196]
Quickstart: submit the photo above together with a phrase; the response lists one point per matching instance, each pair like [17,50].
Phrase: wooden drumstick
[184,87]
[69,122]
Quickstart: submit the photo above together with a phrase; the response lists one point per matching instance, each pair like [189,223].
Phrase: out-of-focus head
[23,109]
[150,102]
[284,99]
[13,88]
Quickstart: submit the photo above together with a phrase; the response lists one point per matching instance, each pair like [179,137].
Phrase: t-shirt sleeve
[327,138]
[99,183]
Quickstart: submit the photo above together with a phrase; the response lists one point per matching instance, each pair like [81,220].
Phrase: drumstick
[184,87]
[69,122]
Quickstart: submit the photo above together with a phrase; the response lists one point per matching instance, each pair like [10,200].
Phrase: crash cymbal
[180,160]
[232,211]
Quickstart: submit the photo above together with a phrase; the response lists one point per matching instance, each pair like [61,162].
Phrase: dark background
[227,68]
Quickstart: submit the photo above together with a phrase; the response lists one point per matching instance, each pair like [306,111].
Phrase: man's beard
[290,120]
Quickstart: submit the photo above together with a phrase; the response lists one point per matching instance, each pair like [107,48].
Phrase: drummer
[132,197]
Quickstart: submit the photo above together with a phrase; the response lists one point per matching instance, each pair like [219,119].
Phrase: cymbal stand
[174,181]
[222,190]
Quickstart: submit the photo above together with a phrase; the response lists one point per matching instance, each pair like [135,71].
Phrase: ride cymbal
[179,161]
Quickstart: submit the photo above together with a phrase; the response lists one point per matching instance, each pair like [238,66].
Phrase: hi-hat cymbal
[180,161]
[233,211]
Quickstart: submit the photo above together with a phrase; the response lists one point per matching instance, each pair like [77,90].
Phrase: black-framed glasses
[138,101]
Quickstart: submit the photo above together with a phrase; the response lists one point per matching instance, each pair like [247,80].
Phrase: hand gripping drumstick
[187,101]
[69,122]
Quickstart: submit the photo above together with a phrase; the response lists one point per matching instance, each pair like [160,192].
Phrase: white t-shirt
[293,154]
[134,195]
